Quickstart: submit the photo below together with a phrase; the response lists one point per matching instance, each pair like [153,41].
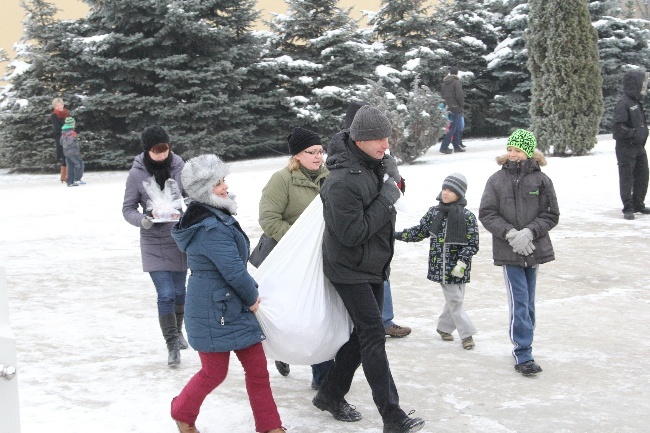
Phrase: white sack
[302,316]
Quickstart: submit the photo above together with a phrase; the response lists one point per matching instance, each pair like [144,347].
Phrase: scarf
[61,114]
[159,169]
[456,232]
[311,174]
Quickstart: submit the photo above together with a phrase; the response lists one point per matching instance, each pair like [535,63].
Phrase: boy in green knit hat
[519,208]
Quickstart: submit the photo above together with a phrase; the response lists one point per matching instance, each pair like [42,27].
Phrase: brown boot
[64,174]
[186,428]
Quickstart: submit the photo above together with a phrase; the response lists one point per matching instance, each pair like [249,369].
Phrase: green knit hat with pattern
[69,124]
[524,141]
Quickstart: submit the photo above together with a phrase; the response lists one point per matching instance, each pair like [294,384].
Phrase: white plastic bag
[302,316]
[166,203]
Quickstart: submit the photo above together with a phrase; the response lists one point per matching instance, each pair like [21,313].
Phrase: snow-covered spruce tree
[566,100]
[507,64]
[622,45]
[182,64]
[38,73]
[467,31]
[402,26]
[415,116]
[326,57]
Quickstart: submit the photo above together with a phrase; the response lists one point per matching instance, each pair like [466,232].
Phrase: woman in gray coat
[166,264]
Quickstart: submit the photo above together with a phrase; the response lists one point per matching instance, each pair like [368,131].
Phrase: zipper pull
[222,321]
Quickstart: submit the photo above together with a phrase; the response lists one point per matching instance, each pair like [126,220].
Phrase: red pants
[214,368]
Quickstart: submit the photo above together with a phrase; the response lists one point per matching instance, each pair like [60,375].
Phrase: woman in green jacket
[285,197]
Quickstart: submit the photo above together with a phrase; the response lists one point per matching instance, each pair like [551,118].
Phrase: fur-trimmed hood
[199,177]
[537,156]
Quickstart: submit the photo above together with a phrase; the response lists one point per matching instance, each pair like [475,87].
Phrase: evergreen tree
[468,31]
[402,26]
[622,45]
[566,101]
[507,64]
[36,75]
[416,119]
[326,58]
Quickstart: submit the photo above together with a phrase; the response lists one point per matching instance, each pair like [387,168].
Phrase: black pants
[632,176]
[366,347]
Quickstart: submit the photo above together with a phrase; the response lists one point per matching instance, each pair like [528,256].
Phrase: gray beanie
[369,124]
[199,177]
[457,183]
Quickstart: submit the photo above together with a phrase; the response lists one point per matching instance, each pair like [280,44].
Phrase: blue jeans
[318,371]
[170,287]
[456,125]
[75,168]
[387,315]
[520,285]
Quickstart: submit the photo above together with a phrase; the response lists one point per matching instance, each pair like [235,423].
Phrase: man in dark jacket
[452,93]
[631,132]
[359,213]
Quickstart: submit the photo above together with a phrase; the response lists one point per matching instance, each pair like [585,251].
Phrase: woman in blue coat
[221,297]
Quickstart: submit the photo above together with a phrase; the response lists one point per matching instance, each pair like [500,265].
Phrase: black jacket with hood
[630,127]
[452,93]
[359,223]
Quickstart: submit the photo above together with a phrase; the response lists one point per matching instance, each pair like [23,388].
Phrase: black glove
[390,167]
[390,191]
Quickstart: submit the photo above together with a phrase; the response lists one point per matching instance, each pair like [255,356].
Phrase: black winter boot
[170,332]
[180,315]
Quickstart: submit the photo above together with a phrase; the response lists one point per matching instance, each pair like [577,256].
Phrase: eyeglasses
[313,152]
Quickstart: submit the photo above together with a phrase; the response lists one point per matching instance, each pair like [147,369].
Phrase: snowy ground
[91,357]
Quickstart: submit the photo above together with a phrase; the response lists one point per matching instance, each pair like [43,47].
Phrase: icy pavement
[91,357]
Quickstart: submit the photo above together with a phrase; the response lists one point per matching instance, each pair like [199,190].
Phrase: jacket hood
[537,156]
[449,79]
[633,84]
[194,219]
[338,154]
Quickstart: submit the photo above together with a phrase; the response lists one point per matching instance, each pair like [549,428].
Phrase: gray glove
[390,167]
[522,242]
[146,223]
[390,191]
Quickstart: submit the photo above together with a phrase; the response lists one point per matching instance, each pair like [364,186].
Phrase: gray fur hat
[199,177]
[370,124]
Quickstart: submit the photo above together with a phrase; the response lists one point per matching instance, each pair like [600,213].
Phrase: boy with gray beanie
[453,230]
[358,244]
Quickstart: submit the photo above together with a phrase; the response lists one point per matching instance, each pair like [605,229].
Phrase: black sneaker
[407,425]
[643,210]
[446,151]
[340,410]
[458,149]
[528,368]
[626,215]
[283,368]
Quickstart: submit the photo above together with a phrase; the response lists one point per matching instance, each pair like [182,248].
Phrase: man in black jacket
[359,213]
[631,132]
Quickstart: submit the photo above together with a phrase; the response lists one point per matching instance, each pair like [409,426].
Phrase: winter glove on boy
[522,241]
[390,191]
[459,269]
[146,223]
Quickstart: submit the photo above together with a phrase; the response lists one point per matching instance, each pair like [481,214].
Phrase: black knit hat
[153,135]
[300,139]
[457,183]
[453,70]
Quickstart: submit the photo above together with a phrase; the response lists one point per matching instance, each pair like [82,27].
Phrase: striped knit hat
[524,141]
[69,124]
[457,183]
